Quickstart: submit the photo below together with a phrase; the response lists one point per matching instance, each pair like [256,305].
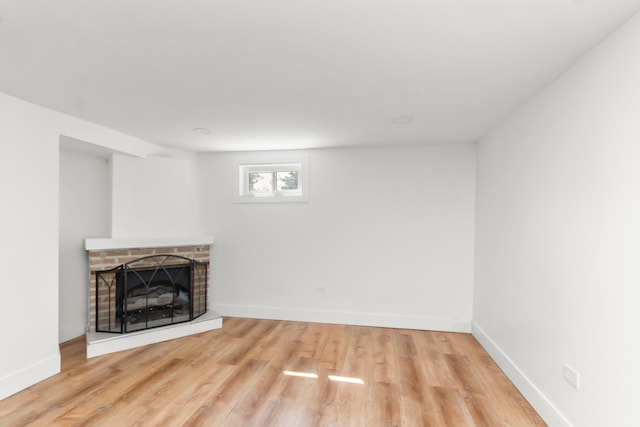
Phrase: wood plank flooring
[234,377]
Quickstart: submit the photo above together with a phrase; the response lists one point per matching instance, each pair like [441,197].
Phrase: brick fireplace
[101,260]
[107,254]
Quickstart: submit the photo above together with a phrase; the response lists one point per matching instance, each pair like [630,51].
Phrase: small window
[271,182]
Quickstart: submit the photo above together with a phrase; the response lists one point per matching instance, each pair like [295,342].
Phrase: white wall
[558,240]
[85,211]
[154,197]
[387,234]
[29,245]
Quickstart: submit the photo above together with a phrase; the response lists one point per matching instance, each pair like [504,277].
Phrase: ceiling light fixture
[204,131]
[402,120]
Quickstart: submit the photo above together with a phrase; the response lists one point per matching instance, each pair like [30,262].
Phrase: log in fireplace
[149,292]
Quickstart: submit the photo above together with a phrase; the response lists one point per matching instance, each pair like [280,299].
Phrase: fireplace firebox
[149,292]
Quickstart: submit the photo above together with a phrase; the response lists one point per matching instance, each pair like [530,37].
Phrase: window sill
[271,199]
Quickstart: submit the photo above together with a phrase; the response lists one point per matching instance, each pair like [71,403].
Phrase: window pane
[287,180]
[260,182]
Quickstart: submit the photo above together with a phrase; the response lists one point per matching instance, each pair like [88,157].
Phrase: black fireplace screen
[149,292]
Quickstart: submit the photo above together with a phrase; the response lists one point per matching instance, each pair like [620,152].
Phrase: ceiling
[282,74]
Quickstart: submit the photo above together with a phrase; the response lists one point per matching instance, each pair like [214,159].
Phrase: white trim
[92,244]
[545,408]
[385,320]
[30,375]
[99,343]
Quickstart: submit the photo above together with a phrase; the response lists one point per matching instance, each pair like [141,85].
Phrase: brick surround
[105,259]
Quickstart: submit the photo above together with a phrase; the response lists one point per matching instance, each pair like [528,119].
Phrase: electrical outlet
[571,376]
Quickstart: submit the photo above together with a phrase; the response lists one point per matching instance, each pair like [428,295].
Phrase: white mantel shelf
[102,243]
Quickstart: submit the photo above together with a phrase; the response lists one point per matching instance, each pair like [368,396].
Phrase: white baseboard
[70,331]
[28,376]
[545,408]
[385,320]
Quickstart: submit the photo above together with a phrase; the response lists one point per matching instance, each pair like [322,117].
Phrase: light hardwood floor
[234,377]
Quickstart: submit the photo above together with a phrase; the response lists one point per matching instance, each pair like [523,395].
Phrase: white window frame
[243,167]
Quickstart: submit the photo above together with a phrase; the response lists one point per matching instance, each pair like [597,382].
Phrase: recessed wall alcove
[161,321]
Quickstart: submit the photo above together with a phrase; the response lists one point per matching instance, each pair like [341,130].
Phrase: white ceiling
[277,74]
